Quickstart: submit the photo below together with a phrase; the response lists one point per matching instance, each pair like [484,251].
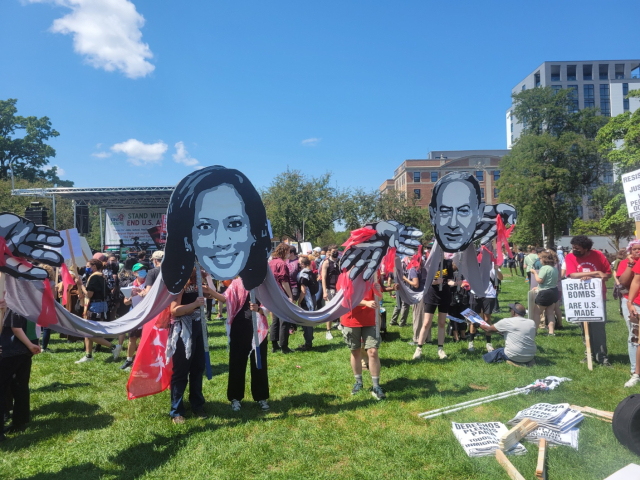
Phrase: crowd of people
[107,287]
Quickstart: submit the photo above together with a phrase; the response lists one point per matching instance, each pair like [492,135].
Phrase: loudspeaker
[37,213]
[82,219]
[626,423]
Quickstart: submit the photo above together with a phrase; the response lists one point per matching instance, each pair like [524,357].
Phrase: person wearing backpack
[308,285]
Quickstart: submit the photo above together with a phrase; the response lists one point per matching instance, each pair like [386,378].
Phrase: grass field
[83,426]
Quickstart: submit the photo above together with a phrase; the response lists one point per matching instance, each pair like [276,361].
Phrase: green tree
[615,221]
[358,208]
[619,139]
[23,146]
[553,163]
[394,205]
[588,227]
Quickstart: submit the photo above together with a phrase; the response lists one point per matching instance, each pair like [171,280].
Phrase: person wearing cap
[519,338]
[138,287]
[152,274]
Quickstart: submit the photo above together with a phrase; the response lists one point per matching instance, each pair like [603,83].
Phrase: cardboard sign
[482,439]
[583,300]
[473,318]
[631,186]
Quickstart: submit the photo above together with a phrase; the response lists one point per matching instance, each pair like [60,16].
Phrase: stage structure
[112,198]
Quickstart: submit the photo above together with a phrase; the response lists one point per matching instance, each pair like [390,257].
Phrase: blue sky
[144,91]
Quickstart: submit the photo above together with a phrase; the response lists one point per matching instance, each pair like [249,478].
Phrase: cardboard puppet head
[22,241]
[217,217]
[459,215]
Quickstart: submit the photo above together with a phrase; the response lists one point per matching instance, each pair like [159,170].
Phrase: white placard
[631,186]
[126,223]
[583,300]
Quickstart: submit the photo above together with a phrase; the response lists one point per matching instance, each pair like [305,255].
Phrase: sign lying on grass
[583,300]
[482,439]
[631,186]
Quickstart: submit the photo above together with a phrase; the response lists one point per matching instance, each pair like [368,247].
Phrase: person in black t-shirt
[308,284]
[15,359]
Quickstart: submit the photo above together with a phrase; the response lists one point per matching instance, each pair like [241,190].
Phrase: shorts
[353,337]
[486,305]
[137,333]
[431,308]
[547,297]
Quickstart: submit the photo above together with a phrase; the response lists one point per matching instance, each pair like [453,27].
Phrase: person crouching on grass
[359,326]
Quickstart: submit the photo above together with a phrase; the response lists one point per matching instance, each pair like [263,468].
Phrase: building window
[416,177]
[571,73]
[524,87]
[619,71]
[589,97]
[537,79]
[603,70]
[434,176]
[556,88]
[416,193]
[512,128]
[625,92]
[574,97]
[635,71]
[496,175]
[496,192]
[511,139]
[587,72]
[482,193]
[607,176]
[605,103]
[480,175]
[555,73]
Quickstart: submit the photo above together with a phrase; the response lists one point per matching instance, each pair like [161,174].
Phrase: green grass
[84,427]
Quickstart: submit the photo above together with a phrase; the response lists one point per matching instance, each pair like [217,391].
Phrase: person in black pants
[240,349]
[15,369]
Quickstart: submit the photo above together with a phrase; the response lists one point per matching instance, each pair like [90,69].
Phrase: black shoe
[14,428]
[200,414]
[286,350]
[304,348]
[275,347]
[395,324]
[97,347]
[605,363]
[126,364]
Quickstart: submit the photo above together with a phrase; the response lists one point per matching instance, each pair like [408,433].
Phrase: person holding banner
[625,275]
[583,263]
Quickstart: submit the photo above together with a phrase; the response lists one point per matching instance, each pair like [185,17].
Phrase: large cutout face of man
[456,209]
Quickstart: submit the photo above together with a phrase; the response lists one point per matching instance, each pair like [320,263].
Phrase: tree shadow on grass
[70,415]
[317,403]
[134,461]
[405,389]
[56,386]
[328,347]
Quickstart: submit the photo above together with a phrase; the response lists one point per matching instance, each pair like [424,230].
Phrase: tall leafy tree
[23,146]
[619,139]
[553,163]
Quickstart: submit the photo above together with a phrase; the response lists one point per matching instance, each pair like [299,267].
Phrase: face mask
[577,254]
[322,257]
[334,255]
[142,273]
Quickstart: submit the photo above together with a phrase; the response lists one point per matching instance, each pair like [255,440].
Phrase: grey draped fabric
[181,328]
[275,300]
[25,298]
[467,263]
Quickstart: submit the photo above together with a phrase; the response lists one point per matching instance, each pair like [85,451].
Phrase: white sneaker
[418,353]
[328,336]
[471,347]
[489,347]
[634,380]
[235,405]
[116,351]
[85,359]
[340,327]
[441,354]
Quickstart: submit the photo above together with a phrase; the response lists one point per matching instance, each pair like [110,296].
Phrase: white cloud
[60,171]
[182,156]
[140,153]
[106,33]
[310,142]
[101,154]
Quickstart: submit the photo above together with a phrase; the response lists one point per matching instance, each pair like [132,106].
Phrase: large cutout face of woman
[221,232]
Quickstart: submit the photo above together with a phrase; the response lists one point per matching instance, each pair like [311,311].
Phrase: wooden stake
[587,340]
[513,473]
[601,414]
[541,468]
[517,433]
[2,287]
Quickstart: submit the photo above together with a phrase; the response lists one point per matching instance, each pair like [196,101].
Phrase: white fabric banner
[583,300]
[127,223]
[631,186]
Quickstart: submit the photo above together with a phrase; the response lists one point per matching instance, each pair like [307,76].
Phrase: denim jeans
[630,345]
[496,356]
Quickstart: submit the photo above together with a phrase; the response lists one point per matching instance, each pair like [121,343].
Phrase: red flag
[47,315]
[503,239]
[415,260]
[345,285]
[149,374]
[389,260]
[67,281]
[358,236]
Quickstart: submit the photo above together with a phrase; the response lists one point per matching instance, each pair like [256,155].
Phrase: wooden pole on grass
[587,340]
[513,473]
[541,467]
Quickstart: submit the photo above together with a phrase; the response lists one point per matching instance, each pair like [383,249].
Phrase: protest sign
[455,319]
[473,318]
[631,186]
[583,300]
[482,439]
[126,224]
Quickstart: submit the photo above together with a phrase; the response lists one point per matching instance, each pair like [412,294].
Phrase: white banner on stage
[631,186]
[583,300]
[128,223]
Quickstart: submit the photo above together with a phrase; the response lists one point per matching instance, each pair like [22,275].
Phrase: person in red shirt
[279,331]
[359,326]
[629,275]
[584,263]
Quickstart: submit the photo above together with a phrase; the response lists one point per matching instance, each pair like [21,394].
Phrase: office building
[602,84]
